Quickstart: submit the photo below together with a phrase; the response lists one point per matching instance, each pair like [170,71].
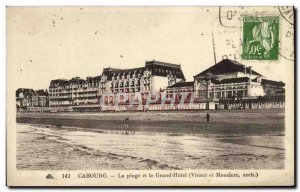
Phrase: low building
[31,98]
[230,79]
[43,98]
[229,82]
[179,90]
[23,97]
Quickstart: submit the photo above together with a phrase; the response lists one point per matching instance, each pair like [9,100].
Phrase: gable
[227,66]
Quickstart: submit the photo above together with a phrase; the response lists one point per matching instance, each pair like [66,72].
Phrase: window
[229,94]
[202,94]
[203,87]
[240,93]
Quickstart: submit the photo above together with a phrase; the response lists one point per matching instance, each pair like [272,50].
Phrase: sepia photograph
[191,96]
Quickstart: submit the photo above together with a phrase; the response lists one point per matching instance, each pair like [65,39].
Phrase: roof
[157,68]
[93,79]
[274,83]
[163,64]
[227,66]
[234,80]
[182,84]
[25,91]
[76,80]
[111,72]
[58,82]
[163,69]
[41,92]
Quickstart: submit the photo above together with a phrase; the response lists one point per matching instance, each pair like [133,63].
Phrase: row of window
[146,81]
[127,90]
[230,87]
[117,77]
[60,88]
[223,94]
[167,71]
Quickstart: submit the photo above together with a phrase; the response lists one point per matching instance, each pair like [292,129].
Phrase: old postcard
[150,96]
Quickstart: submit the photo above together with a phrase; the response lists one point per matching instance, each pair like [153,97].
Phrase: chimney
[250,69]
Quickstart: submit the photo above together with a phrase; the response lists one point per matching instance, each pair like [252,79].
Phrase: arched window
[202,87]
[111,99]
[202,91]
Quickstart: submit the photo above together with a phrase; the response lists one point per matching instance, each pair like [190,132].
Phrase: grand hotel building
[226,84]
[154,76]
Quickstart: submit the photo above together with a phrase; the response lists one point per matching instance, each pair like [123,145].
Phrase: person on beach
[207,117]
[126,122]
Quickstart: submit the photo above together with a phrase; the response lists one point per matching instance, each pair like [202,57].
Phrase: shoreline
[60,146]
[225,123]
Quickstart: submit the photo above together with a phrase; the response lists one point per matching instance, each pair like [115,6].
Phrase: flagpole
[121,56]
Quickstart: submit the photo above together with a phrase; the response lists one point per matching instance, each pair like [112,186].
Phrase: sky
[45,43]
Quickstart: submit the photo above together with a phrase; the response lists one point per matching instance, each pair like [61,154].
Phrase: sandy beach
[156,140]
[238,122]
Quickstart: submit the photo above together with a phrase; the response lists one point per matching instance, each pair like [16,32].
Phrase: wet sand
[251,139]
[238,122]
[41,147]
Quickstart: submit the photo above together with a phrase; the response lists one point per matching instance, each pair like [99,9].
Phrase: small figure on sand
[126,122]
[207,117]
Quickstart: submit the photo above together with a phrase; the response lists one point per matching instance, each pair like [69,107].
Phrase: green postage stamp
[260,38]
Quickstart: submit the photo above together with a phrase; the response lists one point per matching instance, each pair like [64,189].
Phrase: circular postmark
[287,33]
[287,12]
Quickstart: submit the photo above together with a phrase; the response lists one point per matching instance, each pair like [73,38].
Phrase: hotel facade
[154,76]
[225,85]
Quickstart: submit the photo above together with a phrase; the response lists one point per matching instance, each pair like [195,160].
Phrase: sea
[45,147]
